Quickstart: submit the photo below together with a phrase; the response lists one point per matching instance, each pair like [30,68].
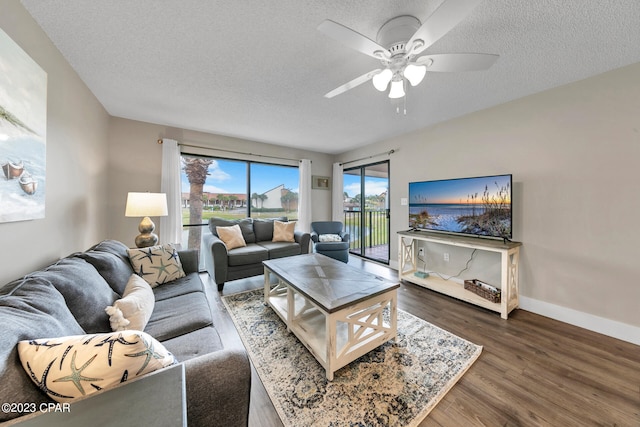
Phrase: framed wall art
[320,182]
[23,128]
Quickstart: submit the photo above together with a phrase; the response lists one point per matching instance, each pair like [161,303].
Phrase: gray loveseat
[224,265]
[69,298]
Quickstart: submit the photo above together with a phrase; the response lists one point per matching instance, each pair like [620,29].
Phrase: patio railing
[372,234]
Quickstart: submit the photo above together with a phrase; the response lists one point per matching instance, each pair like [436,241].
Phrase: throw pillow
[246,227]
[231,236]
[264,228]
[283,231]
[330,238]
[70,367]
[156,264]
[134,309]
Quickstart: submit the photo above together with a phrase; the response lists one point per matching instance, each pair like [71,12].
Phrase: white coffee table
[335,310]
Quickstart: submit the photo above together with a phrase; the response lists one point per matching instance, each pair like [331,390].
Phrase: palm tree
[231,199]
[262,198]
[255,197]
[222,198]
[196,169]
[287,197]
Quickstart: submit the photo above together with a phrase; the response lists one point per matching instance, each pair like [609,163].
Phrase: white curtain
[171,225]
[304,197]
[337,195]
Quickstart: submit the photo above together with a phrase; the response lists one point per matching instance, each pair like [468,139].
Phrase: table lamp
[146,205]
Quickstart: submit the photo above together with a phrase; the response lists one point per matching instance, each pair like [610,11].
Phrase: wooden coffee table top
[330,284]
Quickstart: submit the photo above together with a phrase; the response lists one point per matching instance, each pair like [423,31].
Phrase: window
[234,189]
[274,191]
[212,187]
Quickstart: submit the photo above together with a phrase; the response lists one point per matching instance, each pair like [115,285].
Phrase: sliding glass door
[366,210]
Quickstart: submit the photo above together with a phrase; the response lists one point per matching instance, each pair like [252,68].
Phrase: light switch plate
[404,201]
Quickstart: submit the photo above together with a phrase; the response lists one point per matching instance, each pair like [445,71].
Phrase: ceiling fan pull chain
[404,101]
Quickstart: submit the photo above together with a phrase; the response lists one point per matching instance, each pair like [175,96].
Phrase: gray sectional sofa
[69,298]
[224,265]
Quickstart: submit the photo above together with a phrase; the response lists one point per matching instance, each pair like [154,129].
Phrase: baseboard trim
[611,328]
[601,325]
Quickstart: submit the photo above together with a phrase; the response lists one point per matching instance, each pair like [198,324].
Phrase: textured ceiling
[258,69]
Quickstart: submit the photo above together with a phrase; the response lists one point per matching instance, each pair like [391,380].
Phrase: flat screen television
[479,206]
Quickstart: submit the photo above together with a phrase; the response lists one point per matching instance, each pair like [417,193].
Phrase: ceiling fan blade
[353,39]
[353,83]
[446,16]
[452,62]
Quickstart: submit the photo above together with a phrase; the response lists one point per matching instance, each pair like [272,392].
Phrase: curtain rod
[233,152]
[388,153]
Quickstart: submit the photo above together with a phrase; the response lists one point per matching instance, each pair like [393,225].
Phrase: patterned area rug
[397,384]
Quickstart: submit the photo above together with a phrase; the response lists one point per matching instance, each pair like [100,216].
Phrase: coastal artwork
[479,206]
[23,126]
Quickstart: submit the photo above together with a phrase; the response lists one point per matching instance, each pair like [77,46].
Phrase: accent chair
[329,239]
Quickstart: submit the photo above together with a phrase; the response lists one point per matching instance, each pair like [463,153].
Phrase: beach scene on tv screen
[480,206]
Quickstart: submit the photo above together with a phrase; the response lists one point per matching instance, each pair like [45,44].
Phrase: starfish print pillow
[156,264]
[75,366]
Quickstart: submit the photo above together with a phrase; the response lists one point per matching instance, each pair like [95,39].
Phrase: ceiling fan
[400,40]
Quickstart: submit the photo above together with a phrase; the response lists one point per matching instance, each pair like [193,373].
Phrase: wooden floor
[533,371]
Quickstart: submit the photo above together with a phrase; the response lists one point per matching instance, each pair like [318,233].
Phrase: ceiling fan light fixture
[399,42]
[397,89]
[382,79]
[415,73]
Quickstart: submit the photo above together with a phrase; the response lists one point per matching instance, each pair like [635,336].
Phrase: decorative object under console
[509,257]
[492,294]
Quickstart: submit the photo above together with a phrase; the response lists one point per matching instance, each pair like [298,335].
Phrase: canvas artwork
[23,126]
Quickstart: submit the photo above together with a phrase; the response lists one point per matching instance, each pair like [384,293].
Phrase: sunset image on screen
[480,206]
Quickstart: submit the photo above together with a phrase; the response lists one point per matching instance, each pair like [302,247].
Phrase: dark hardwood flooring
[533,371]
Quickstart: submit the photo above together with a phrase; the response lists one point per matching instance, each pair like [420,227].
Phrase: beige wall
[77,128]
[135,163]
[574,154]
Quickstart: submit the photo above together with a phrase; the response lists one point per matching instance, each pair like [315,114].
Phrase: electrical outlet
[421,252]
[446,256]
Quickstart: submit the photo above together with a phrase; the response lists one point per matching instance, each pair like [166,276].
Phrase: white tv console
[509,251]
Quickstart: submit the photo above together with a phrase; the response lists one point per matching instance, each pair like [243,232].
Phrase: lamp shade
[146,204]
[415,73]
[382,79]
[397,89]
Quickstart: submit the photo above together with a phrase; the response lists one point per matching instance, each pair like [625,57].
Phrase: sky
[372,186]
[454,190]
[230,176]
